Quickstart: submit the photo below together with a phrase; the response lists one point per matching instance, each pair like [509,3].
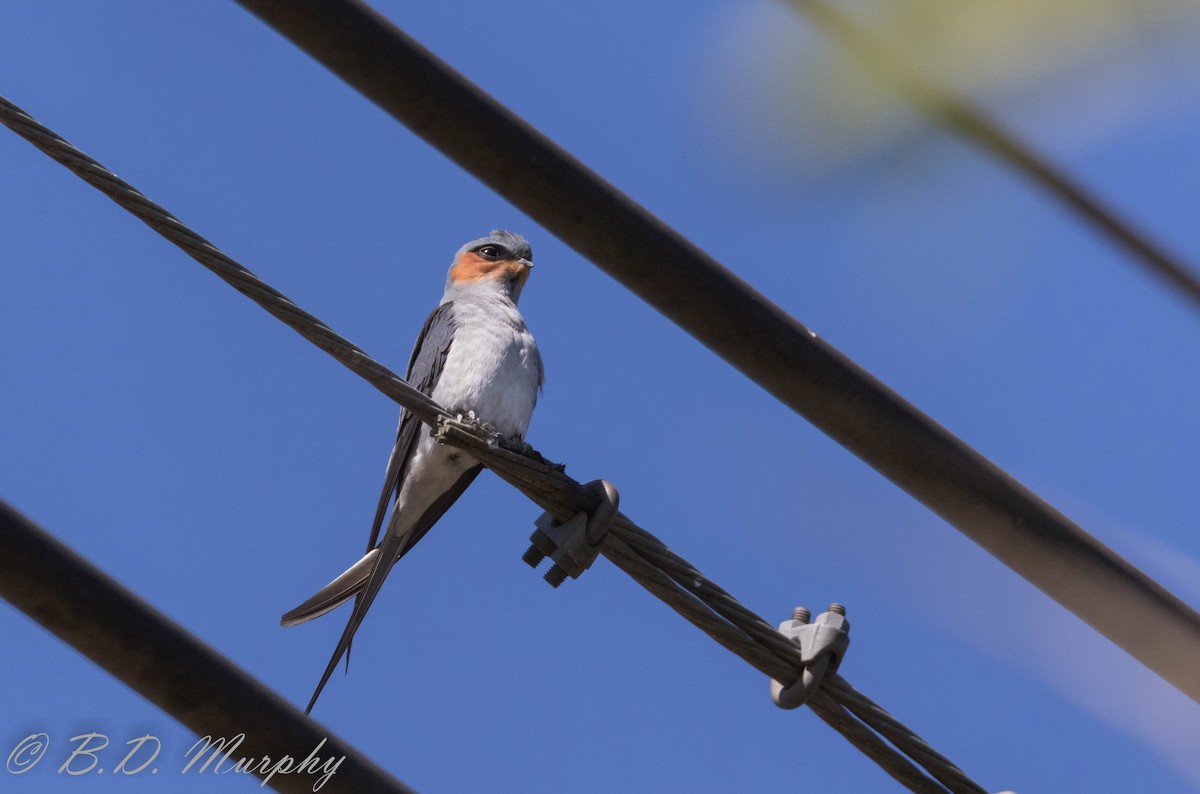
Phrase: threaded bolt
[801,614]
[533,557]
[556,575]
[837,609]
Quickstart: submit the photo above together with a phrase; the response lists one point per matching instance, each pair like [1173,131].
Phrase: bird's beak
[525,262]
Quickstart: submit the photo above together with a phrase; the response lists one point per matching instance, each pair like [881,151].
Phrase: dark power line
[641,555]
[747,330]
[160,660]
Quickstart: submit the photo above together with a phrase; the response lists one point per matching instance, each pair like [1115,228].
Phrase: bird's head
[499,261]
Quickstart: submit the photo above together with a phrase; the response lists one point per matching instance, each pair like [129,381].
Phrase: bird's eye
[489,251]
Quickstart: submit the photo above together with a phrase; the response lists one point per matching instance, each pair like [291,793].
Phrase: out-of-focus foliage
[1081,69]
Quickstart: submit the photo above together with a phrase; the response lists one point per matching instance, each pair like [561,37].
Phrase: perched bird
[475,358]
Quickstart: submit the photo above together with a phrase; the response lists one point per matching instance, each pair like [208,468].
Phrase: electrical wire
[637,552]
[174,670]
[747,330]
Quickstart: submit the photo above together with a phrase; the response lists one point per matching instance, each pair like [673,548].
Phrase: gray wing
[425,366]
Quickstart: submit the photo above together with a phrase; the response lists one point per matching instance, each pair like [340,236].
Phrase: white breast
[492,367]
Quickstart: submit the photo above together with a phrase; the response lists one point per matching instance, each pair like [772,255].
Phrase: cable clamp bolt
[822,646]
[573,545]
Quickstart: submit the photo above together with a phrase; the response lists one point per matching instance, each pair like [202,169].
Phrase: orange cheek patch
[470,267]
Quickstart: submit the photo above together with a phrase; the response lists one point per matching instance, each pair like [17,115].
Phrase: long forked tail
[334,594]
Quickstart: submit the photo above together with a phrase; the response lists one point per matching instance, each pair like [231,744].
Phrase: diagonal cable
[168,666]
[207,254]
[955,113]
[749,331]
[637,552]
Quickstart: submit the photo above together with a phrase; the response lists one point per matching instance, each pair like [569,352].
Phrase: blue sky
[223,468]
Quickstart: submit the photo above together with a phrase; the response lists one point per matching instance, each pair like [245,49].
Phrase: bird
[477,359]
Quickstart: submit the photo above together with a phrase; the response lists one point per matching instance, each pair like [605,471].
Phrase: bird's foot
[470,419]
[525,449]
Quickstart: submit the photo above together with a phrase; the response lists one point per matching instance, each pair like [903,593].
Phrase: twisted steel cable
[747,329]
[635,551]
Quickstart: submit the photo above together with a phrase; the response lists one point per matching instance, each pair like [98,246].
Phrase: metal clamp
[822,645]
[574,544]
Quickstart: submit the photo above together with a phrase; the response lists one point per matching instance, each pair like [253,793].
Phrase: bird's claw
[469,419]
[525,449]
[495,440]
